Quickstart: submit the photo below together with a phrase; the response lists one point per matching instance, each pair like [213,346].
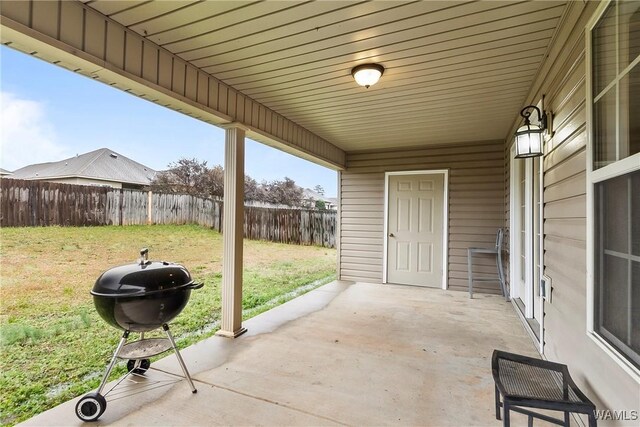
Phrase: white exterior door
[415,229]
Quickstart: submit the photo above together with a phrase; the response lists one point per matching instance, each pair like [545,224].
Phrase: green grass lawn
[55,346]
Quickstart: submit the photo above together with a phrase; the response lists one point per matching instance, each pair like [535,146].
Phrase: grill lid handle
[144,256]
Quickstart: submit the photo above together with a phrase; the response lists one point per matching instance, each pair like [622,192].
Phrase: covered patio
[438,126]
[344,354]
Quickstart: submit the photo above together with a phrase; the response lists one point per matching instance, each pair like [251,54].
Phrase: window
[615,177]
[617,263]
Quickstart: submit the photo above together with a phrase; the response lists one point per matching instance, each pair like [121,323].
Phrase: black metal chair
[527,382]
[497,250]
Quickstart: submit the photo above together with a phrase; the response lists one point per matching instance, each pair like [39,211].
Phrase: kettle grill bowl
[142,313]
[144,296]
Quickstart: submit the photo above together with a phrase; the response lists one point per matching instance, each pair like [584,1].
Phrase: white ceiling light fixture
[367,74]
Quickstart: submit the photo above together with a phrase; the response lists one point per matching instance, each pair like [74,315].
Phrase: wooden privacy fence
[301,226]
[184,209]
[38,203]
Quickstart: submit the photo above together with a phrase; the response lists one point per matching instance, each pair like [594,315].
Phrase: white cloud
[26,134]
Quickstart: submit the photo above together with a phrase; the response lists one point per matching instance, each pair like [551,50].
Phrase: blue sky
[49,113]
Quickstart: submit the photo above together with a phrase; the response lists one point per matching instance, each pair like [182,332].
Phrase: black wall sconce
[529,137]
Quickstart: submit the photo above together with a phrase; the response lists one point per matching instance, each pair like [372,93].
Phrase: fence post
[120,213]
[149,201]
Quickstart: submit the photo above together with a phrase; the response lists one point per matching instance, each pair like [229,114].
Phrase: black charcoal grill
[138,297]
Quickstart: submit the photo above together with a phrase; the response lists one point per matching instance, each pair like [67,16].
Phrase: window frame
[613,170]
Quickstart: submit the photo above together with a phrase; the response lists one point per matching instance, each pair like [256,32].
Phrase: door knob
[391,235]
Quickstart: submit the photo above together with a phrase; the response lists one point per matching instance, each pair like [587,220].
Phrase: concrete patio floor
[343,354]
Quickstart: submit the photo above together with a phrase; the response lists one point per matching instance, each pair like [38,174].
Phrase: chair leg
[503,285]
[497,403]
[470,271]
[506,419]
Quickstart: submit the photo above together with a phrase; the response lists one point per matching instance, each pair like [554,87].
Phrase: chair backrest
[499,238]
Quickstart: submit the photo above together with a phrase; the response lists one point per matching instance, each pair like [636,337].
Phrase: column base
[228,334]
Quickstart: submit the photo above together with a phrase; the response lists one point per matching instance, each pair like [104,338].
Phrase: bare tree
[253,191]
[284,192]
[191,176]
[163,182]
[184,176]
[215,181]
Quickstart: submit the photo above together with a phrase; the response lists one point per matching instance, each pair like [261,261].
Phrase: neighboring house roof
[102,164]
[5,172]
[309,194]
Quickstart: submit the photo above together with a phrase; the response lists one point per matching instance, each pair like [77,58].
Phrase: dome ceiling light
[367,74]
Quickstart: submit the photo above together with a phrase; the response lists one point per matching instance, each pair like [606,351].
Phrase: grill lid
[142,278]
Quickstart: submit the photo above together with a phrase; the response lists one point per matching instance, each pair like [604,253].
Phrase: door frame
[445,216]
[516,199]
[514,245]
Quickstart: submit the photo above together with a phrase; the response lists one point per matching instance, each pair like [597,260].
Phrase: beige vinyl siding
[361,225]
[565,230]
[476,209]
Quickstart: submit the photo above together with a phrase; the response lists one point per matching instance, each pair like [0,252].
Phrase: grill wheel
[91,406]
[141,369]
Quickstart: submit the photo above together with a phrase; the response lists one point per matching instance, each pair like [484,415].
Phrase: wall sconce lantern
[367,74]
[529,137]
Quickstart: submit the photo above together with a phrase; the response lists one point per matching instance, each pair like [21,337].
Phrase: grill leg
[105,378]
[180,361]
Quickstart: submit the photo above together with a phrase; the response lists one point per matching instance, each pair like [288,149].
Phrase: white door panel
[415,229]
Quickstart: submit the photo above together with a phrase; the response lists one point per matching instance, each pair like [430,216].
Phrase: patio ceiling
[454,71]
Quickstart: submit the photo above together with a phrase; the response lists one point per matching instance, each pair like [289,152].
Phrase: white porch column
[232,233]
